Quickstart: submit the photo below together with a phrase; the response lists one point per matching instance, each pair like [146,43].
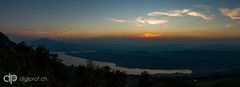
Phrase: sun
[151,35]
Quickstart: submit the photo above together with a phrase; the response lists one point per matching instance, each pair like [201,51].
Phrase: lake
[76,61]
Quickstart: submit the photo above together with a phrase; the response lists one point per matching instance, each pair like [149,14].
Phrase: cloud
[149,21]
[198,14]
[181,13]
[169,13]
[116,20]
[140,21]
[232,13]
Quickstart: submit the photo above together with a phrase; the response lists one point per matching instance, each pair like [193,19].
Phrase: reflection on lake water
[76,61]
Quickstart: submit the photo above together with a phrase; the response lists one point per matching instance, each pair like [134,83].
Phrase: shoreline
[76,61]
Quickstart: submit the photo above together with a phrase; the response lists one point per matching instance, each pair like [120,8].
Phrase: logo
[10,78]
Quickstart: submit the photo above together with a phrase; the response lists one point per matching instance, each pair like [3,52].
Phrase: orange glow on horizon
[151,35]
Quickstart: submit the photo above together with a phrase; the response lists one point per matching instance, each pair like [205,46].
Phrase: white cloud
[149,21]
[169,13]
[140,21]
[116,20]
[232,13]
[181,13]
[198,14]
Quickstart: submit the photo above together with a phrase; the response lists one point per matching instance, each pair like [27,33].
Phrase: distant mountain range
[135,45]
[54,45]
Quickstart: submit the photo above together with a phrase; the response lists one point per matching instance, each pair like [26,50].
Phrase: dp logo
[10,78]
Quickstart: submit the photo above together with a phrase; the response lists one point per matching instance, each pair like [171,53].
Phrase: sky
[120,18]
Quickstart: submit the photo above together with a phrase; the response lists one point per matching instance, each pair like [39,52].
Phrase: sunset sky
[131,18]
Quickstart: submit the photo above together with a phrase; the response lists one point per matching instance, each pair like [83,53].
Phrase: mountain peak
[3,37]
[4,40]
[44,39]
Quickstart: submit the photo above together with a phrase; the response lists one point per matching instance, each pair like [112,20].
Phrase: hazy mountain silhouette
[46,40]
[229,47]
[153,45]
[54,45]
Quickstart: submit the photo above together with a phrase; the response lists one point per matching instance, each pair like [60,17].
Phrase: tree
[144,79]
